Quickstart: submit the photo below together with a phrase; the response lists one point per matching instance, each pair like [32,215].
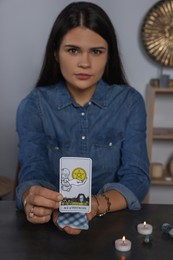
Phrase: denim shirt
[110,129]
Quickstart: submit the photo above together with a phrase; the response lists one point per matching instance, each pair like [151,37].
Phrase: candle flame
[145,223]
[123,239]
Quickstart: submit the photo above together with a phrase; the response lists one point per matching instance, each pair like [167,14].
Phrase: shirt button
[82,114]
[83,137]
[110,144]
[56,148]
[89,103]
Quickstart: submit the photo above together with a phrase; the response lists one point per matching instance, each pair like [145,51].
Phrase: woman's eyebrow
[99,47]
[71,45]
[75,46]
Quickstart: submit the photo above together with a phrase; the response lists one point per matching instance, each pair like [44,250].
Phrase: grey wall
[24,29]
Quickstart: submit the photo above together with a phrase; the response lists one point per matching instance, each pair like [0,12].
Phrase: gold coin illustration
[79,174]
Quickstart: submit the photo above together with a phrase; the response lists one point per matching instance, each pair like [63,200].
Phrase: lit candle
[145,229]
[123,244]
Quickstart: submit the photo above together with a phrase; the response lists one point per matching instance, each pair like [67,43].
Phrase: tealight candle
[144,228]
[123,244]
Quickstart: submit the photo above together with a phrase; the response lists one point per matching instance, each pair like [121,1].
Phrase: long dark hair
[94,18]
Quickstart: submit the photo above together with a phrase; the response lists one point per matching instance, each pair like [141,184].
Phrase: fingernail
[60,197]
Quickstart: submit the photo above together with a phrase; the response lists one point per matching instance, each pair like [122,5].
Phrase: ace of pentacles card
[75,184]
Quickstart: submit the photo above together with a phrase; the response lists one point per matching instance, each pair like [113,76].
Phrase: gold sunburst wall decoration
[157,33]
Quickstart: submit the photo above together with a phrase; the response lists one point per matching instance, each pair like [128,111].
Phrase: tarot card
[75,184]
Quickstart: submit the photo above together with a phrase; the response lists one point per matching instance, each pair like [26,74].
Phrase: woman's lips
[82,76]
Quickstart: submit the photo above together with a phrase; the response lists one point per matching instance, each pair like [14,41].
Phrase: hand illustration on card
[75,184]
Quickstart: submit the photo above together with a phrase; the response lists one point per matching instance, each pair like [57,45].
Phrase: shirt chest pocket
[107,151]
[56,150]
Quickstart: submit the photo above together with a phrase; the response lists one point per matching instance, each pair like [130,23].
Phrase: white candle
[123,244]
[144,228]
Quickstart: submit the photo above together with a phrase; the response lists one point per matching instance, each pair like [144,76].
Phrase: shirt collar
[63,97]
[99,98]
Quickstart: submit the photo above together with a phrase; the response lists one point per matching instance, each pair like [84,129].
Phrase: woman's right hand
[39,203]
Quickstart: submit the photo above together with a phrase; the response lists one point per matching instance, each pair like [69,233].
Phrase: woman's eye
[73,50]
[96,51]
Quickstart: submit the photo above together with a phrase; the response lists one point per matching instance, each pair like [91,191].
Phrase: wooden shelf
[157,133]
[161,181]
[161,90]
[163,133]
[6,186]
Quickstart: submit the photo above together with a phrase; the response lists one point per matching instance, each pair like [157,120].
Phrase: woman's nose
[84,61]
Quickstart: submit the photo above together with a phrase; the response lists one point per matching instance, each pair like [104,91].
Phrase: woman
[82,106]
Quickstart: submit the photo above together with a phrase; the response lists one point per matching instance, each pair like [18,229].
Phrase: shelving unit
[157,133]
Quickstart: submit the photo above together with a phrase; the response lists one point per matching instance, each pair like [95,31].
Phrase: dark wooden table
[21,240]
